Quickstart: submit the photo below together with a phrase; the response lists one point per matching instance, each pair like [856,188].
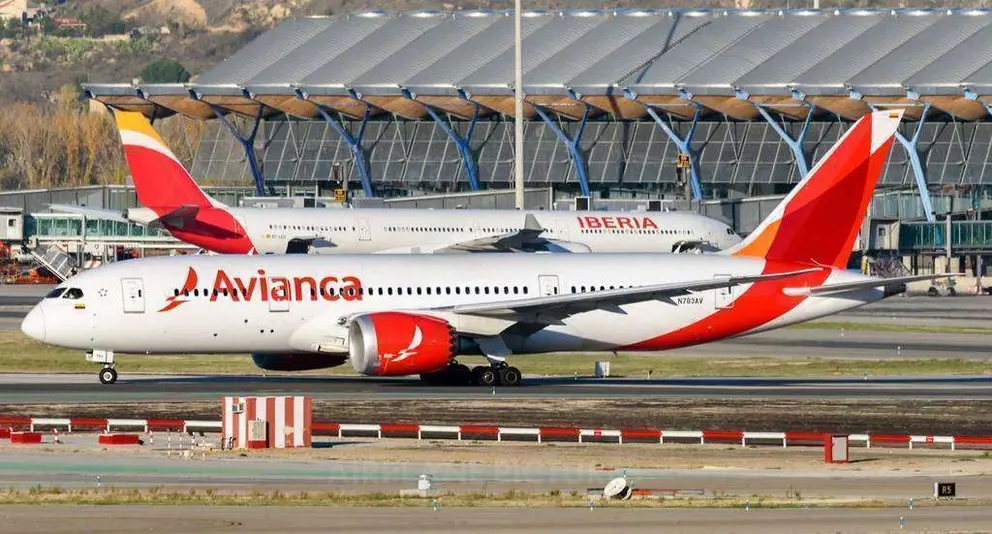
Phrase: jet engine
[297,361]
[398,344]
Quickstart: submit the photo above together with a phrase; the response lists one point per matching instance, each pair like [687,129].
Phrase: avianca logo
[174,301]
[411,349]
[615,223]
[265,288]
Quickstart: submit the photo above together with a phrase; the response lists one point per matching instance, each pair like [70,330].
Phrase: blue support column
[684,144]
[794,144]
[247,143]
[462,143]
[919,173]
[354,143]
[578,159]
[914,160]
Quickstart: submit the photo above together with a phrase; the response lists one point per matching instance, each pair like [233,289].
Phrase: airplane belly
[225,333]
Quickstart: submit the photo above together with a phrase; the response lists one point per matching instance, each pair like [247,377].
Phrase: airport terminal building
[423,101]
[728,109]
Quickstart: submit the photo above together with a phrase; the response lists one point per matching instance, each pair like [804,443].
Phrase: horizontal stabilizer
[843,287]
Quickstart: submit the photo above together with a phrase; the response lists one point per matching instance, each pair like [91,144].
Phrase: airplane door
[364,230]
[724,296]
[561,230]
[133,292]
[548,284]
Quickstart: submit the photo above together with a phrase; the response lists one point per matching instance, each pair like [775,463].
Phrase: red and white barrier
[484,432]
[261,422]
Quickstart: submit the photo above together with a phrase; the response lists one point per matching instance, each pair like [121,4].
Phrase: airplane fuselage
[272,230]
[293,304]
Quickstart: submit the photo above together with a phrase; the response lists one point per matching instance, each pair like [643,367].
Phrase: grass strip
[881,327]
[21,354]
[111,496]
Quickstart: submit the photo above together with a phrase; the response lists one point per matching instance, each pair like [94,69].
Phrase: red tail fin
[819,220]
[159,178]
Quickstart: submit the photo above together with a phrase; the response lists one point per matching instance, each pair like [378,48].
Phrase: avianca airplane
[392,315]
[173,201]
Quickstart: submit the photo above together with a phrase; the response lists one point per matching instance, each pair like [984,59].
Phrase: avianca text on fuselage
[616,223]
[264,287]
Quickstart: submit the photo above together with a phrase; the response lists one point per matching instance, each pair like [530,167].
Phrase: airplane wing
[527,237]
[508,242]
[557,307]
[92,213]
[843,287]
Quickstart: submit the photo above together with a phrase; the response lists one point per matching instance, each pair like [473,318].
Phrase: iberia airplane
[392,315]
[172,200]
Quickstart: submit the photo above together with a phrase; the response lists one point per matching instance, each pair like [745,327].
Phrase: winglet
[819,220]
[530,223]
[160,180]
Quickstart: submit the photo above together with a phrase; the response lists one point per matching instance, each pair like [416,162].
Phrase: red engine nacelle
[397,344]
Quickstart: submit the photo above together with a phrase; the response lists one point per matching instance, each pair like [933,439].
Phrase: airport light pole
[518,110]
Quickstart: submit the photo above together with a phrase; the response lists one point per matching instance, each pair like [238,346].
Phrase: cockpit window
[73,293]
[55,293]
[730,231]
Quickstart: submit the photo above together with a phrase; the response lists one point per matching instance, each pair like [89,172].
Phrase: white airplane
[392,315]
[173,201]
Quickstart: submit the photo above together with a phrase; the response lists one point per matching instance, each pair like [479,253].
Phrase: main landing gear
[456,374]
[108,375]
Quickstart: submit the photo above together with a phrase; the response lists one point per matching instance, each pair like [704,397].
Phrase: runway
[84,388]
[303,519]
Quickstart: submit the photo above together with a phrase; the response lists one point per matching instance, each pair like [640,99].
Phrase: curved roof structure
[843,62]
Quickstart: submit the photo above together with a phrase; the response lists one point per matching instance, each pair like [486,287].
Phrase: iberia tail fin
[819,220]
[160,180]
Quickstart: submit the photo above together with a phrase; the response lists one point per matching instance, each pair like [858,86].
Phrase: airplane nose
[34,324]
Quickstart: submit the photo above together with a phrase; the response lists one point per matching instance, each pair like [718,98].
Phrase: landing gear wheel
[509,376]
[108,375]
[460,375]
[477,374]
[489,377]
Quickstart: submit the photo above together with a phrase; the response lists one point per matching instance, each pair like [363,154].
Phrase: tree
[165,71]
[101,21]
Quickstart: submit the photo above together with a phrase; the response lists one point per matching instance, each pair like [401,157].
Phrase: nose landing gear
[108,375]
